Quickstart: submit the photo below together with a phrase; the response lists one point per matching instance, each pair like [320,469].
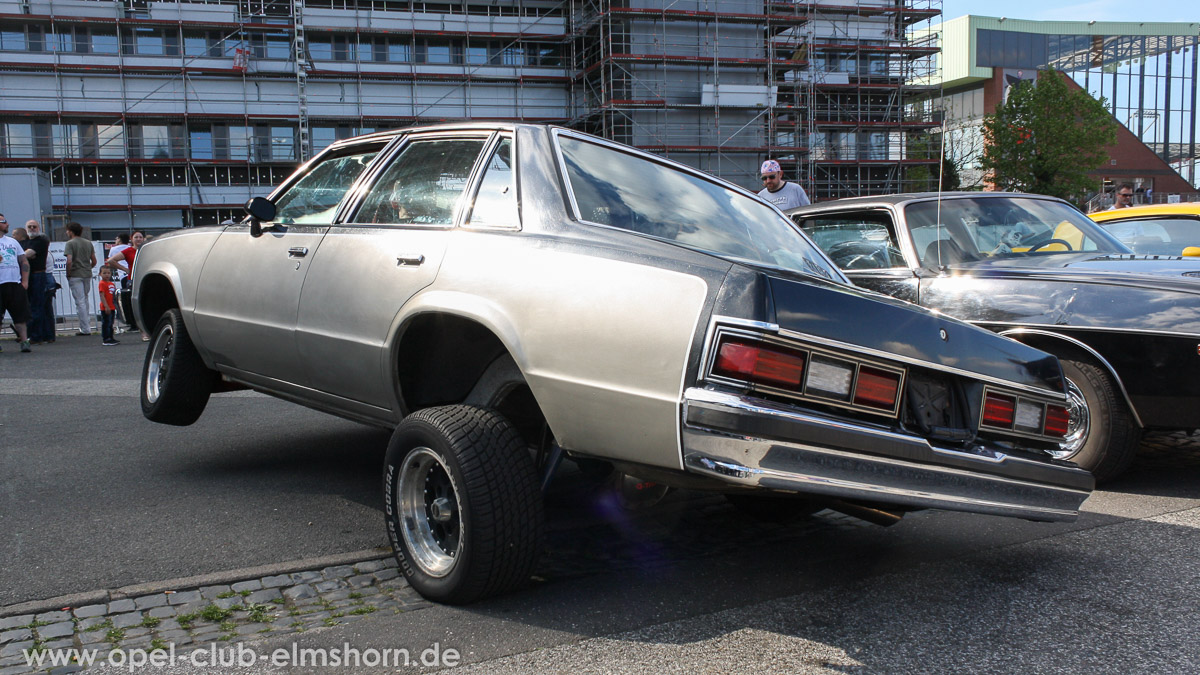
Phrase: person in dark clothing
[41,284]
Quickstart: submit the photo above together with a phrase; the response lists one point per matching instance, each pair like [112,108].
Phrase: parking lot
[92,497]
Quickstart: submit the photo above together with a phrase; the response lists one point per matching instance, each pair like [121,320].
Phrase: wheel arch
[1050,341]
[156,295]
[447,356]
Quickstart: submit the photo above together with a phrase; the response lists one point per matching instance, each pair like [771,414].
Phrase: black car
[1126,327]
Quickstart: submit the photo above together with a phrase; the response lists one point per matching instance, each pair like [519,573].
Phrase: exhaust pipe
[870,514]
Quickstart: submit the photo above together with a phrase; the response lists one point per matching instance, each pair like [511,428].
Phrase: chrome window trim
[900,241]
[1014,431]
[338,149]
[575,214]
[402,142]
[498,138]
[804,395]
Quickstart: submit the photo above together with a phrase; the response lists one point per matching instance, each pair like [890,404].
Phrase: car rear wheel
[463,504]
[175,382]
[1101,436]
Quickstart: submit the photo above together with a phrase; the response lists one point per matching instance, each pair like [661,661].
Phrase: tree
[1046,138]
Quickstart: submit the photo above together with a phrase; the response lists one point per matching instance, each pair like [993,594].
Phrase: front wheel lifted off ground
[175,382]
[463,506]
[1101,436]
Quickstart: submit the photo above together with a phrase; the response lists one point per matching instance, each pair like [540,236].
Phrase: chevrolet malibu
[508,296]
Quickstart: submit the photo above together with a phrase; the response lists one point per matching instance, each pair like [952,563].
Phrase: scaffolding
[191,108]
[826,88]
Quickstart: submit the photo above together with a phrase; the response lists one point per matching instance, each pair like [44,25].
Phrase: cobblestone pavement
[242,611]
[1177,448]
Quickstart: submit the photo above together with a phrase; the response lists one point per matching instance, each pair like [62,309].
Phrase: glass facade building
[1146,73]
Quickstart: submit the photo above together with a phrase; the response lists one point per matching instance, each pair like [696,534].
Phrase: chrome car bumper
[749,441]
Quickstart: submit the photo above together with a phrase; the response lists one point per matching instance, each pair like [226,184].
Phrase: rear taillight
[808,373]
[1058,419]
[755,362]
[877,388]
[1023,416]
[998,410]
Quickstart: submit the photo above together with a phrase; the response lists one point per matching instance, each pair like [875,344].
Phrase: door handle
[297,251]
[409,260]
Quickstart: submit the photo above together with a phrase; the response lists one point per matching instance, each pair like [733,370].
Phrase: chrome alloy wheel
[160,362]
[430,512]
[1078,426]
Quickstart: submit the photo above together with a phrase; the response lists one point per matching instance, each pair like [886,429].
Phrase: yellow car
[1158,229]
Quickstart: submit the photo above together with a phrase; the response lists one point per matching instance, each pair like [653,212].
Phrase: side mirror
[260,209]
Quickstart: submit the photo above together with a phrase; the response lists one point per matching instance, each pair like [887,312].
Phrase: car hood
[893,327]
[1140,270]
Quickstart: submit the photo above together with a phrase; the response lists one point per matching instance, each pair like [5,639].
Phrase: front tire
[175,382]
[1102,436]
[463,504]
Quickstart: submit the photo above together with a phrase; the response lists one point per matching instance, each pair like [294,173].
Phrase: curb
[189,583]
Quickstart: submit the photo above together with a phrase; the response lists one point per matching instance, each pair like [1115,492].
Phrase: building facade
[155,115]
[1146,74]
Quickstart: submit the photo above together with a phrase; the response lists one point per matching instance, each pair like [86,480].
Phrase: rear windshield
[634,193]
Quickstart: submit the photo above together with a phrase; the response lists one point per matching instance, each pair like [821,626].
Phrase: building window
[104,42]
[323,137]
[18,140]
[65,139]
[148,42]
[110,141]
[13,40]
[320,50]
[436,51]
[283,144]
[201,143]
[399,51]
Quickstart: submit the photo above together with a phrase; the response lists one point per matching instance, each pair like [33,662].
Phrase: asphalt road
[92,496]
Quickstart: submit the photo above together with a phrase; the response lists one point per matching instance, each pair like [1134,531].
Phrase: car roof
[905,197]
[1191,209]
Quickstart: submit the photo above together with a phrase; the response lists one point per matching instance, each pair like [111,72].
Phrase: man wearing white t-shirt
[778,191]
[14,283]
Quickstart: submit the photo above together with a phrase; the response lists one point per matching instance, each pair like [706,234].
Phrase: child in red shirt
[108,308]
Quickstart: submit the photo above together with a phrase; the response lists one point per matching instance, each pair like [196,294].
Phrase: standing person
[1124,197]
[41,285]
[81,258]
[124,287]
[778,191]
[14,283]
[122,261]
[108,307]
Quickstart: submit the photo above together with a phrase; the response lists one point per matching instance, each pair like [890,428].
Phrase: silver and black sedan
[503,296]
[1126,327]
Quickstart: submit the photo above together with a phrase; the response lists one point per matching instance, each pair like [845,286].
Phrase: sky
[1187,11]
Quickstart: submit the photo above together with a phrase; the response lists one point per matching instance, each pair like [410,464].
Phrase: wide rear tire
[176,384]
[463,504]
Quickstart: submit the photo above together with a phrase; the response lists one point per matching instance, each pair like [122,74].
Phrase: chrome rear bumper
[753,442]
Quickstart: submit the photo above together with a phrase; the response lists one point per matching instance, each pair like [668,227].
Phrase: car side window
[856,241]
[315,197]
[496,202]
[423,184]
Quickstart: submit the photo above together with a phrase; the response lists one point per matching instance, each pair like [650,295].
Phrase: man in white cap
[778,191]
